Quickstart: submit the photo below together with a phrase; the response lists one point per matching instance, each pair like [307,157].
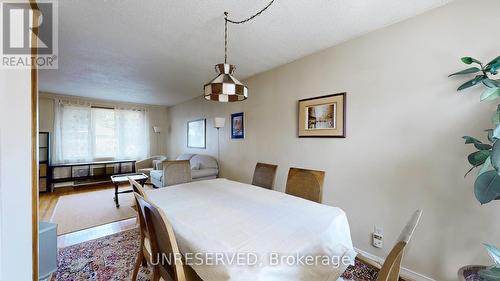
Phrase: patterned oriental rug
[112,258]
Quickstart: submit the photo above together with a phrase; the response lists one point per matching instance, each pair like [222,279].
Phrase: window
[75,131]
[103,123]
[83,133]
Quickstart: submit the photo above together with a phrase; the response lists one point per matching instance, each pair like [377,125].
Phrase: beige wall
[158,117]
[405,121]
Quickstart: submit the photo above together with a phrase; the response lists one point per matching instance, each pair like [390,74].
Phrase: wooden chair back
[176,172]
[137,187]
[264,175]
[140,211]
[167,259]
[392,265]
[307,184]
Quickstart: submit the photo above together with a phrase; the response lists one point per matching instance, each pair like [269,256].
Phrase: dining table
[240,232]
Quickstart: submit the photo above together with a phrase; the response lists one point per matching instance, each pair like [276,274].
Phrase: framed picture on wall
[323,116]
[238,125]
[196,133]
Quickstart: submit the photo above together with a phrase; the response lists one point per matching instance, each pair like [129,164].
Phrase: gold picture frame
[323,117]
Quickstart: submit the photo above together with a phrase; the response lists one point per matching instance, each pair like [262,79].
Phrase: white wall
[158,117]
[405,121]
[15,175]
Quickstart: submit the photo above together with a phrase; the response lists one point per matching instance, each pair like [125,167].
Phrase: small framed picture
[238,125]
[196,133]
[323,116]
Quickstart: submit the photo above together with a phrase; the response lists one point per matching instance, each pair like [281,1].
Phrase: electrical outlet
[378,237]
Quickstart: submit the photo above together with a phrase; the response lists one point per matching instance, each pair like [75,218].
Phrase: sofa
[147,165]
[203,167]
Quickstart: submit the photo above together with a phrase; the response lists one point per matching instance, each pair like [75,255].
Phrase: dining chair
[390,270]
[136,187]
[163,243]
[307,184]
[176,172]
[264,175]
[144,256]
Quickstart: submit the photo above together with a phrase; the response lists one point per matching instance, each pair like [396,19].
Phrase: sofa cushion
[195,166]
[185,156]
[204,162]
[159,157]
[204,173]
[157,165]
[157,175]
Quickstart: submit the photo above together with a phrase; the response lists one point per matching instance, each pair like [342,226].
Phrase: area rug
[112,258]
[84,210]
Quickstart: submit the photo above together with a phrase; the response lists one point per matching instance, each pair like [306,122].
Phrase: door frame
[34,143]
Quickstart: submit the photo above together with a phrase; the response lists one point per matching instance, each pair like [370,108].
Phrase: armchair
[147,165]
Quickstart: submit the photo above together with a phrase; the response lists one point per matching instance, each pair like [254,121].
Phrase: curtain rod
[105,103]
[102,107]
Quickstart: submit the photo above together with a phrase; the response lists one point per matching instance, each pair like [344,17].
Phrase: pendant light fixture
[225,87]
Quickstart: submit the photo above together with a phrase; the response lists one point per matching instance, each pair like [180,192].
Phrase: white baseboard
[405,272]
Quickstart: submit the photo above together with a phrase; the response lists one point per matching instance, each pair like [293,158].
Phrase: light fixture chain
[226,20]
[225,38]
[252,17]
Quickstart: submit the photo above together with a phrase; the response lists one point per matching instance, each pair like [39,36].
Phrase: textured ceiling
[163,51]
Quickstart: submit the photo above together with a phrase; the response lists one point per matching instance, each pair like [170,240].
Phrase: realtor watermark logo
[18,35]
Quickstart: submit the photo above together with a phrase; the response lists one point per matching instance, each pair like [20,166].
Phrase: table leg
[116,196]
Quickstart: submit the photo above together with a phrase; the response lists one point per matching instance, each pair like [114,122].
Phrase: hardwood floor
[76,237]
[47,205]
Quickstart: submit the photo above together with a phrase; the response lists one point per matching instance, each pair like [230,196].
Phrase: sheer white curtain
[83,133]
[72,132]
[132,133]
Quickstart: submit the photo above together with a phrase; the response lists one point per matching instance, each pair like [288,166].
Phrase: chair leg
[137,265]
[156,275]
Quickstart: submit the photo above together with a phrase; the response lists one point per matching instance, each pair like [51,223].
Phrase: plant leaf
[490,274]
[494,253]
[493,66]
[486,167]
[487,187]
[469,139]
[495,155]
[491,83]
[483,146]
[496,132]
[469,60]
[495,60]
[466,71]
[477,158]
[472,82]
[491,138]
[496,118]
[490,94]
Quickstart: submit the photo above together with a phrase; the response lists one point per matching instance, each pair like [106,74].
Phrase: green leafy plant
[492,273]
[487,156]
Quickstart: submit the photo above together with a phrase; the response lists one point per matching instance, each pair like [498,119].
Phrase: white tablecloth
[223,216]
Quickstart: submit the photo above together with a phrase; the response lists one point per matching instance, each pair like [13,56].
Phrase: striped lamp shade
[225,87]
